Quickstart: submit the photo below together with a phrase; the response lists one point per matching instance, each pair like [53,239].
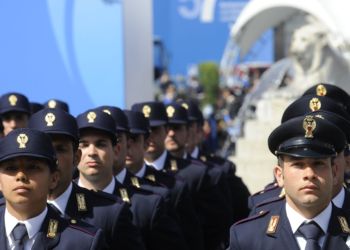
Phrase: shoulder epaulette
[272,183]
[197,163]
[106,195]
[154,182]
[264,190]
[172,175]
[271,201]
[81,226]
[2,201]
[252,218]
[143,190]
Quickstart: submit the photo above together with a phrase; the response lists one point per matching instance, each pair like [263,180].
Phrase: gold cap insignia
[273,224]
[124,195]
[81,202]
[151,177]
[173,165]
[203,158]
[309,124]
[50,118]
[107,111]
[170,110]
[184,105]
[135,182]
[146,110]
[283,192]
[344,224]
[319,116]
[321,90]
[315,104]
[52,104]
[13,99]
[52,230]
[22,139]
[91,116]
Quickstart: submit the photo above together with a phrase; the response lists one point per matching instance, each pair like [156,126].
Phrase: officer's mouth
[21,189]
[310,187]
[92,163]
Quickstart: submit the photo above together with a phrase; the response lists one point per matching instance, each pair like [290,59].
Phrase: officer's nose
[21,176]
[91,149]
[13,124]
[309,173]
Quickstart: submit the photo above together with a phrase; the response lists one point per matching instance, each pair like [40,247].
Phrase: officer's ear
[116,150]
[335,170]
[147,143]
[347,164]
[77,157]
[53,181]
[279,175]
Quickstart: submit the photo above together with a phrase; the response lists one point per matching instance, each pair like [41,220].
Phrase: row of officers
[140,180]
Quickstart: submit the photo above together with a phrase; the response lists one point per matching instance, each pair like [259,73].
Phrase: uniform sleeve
[233,240]
[251,203]
[125,233]
[99,242]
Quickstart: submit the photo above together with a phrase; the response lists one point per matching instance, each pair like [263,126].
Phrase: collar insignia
[151,177]
[309,124]
[315,104]
[52,104]
[81,202]
[203,158]
[344,224]
[184,105]
[321,90]
[283,192]
[91,116]
[13,99]
[135,182]
[170,110]
[124,194]
[50,118]
[271,229]
[146,110]
[173,165]
[22,139]
[52,230]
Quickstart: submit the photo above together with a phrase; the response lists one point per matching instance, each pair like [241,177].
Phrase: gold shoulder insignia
[135,182]
[52,230]
[173,165]
[151,177]
[283,192]
[344,185]
[273,224]
[22,140]
[81,202]
[124,194]
[348,180]
[184,105]
[203,158]
[13,100]
[50,118]
[344,224]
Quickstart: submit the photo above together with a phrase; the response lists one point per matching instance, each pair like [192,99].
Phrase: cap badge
[135,182]
[81,202]
[52,230]
[319,116]
[184,105]
[151,177]
[50,118]
[170,110]
[91,116]
[273,224]
[321,90]
[107,111]
[315,104]
[309,124]
[52,104]
[22,139]
[124,195]
[146,110]
[343,224]
[13,99]
[173,165]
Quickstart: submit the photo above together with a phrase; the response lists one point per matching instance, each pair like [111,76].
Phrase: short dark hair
[52,167]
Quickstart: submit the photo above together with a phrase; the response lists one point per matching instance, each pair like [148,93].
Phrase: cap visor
[25,154]
[177,122]
[156,123]
[60,133]
[5,110]
[138,131]
[305,152]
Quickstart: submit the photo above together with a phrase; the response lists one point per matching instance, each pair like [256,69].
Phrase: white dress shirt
[61,201]
[339,199]
[195,153]
[33,226]
[121,176]
[159,163]
[185,155]
[142,171]
[296,220]
[109,189]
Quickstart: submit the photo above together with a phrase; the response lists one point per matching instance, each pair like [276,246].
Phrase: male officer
[206,197]
[305,147]
[35,107]
[158,231]
[239,192]
[56,104]
[181,200]
[15,111]
[96,208]
[27,174]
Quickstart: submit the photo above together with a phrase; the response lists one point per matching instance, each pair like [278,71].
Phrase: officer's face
[123,146]
[157,138]
[14,120]
[26,180]
[308,182]
[192,136]
[176,138]
[97,153]
[137,150]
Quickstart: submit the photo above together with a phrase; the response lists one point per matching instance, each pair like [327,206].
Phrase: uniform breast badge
[52,104]
[344,224]
[315,104]
[135,182]
[184,105]
[273,224]
[170,110]
[52,230]
[81,202]
[173,165]
[151,177]
[321,90]
[146,110]
[107,111]
[50,118]
[124,195]
[283,192]
[309,124]
[13,100]
[22,140]
[91,116]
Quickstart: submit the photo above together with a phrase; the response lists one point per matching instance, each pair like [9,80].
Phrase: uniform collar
[109,189]
[296,220]
[61,201]
[159,163]
[185,155]
[121,176]
[142,171]
[339,199]
[195,153]
[33,225]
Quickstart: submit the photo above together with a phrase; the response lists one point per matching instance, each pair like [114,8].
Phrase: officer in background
[56,104]
[206,197]
[181,200]
[27,173]
[35,107]
[101,210]
[15,111]
[305,148]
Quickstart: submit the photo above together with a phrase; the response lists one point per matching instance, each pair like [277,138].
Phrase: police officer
[305,147]
[35,107]
[181,200]
[56,104]
[97,129]
[15,111]
[101,210]
[27,173]
[206,197]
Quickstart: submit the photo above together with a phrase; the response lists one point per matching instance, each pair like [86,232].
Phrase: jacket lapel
[346,204]
[72,205]
[127,179]
[3,237]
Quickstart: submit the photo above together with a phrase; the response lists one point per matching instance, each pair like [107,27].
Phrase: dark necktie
[19,233]
[311,232]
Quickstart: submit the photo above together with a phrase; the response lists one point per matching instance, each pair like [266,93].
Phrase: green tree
[209,77]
